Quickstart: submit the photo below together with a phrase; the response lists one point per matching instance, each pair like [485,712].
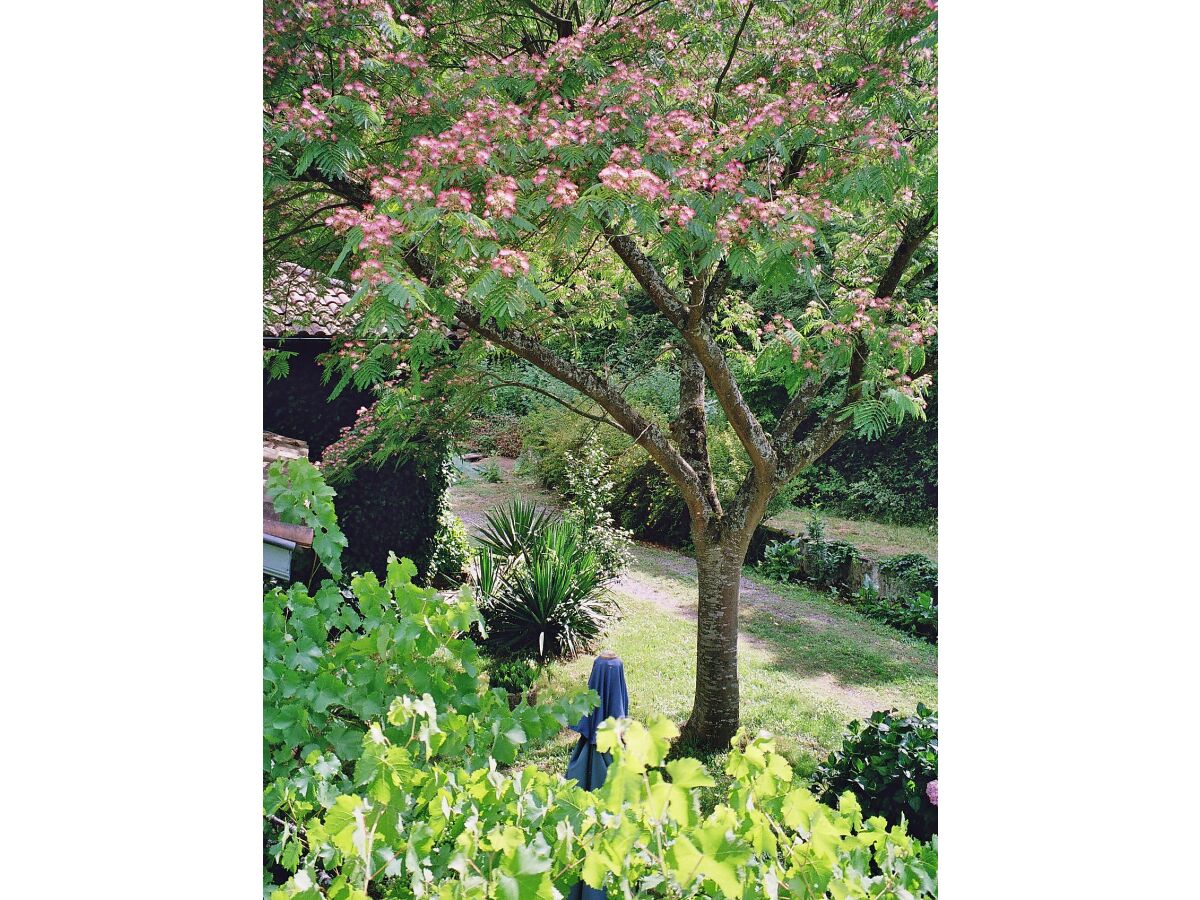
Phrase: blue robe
[588,766]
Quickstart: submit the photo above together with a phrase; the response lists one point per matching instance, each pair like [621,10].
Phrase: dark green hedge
[390,507]
[893,479]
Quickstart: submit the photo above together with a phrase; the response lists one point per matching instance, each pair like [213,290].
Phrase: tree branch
[732,51]
[622,412]
[914,232]
[690,427]
[537,390]
[745,425]
[564,27]
[358,194]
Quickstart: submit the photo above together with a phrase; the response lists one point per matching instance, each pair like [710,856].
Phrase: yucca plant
[546,599]
[510,529]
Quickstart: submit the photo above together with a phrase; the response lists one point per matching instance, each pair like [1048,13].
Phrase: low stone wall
[860,571]
[764,535]
[889,586]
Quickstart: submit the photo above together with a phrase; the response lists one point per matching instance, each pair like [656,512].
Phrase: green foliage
[888,763]
[383,756]
[337,662]
[917,571]
[301,497]
[494,434]
[828,562]
[450,564]
[893,479]
[514,675]
[277,363]
[652,509]
[782,561]
[811,559]
[409,829]
[490,472]
[590,495]
[547,596]
[814,529]
[650,506]
[917,615]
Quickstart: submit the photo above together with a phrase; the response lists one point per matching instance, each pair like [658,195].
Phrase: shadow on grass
[806,633]
[852,654]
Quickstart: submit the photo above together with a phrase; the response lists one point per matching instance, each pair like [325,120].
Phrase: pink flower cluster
[695,178]
[884,135]
[779,215]
[640,181]
[679,213]
[378,231]
[562,191]
[501,196]
[679,131]
[454,199]
[371,272]
[931,791]
[307,118]
[406,187]
[910,9]
[509,262]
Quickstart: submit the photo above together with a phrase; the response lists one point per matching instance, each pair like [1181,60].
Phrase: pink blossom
[509,262]
[501,197]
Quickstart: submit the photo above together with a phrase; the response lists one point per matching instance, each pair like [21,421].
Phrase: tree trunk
[714,717]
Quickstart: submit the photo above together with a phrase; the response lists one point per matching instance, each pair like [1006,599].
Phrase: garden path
[836,656]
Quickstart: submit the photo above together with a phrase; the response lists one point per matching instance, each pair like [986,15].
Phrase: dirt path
[667,579]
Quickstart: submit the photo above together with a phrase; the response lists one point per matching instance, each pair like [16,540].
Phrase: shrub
[551,601]
[498,434]
[391,507]
[541,586]
[917,571]
[589,498]
[917,615]
[781,561]
[450,564]
[893,479]
[516,676]
[888,763]
[828,562]
[651,507]
[509,530]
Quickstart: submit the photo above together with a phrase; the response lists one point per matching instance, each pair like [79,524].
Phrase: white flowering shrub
[590,489]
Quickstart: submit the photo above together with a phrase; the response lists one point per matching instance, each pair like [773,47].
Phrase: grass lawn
[801,682]
[873,538]
[808,664]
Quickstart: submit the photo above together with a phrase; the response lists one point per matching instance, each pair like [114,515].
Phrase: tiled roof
[276,446]
[302,302]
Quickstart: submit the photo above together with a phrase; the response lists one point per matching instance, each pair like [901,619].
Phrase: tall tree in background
[500,167]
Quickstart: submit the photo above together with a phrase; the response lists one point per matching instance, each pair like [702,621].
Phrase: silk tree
[765,173]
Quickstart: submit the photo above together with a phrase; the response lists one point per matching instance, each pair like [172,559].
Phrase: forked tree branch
[497,383]
[801,454]
[699,338]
